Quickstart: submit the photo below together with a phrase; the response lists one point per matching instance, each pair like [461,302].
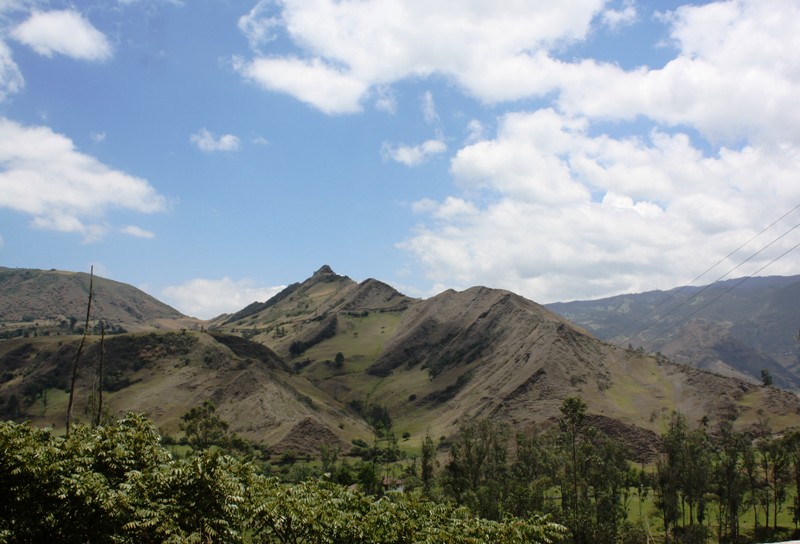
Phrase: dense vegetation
[704,481]
[117,483]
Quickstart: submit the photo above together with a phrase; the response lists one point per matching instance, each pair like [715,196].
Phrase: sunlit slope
[486,353]
[46,298]
[165,375]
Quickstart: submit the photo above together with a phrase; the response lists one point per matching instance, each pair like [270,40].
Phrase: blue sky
[213,151]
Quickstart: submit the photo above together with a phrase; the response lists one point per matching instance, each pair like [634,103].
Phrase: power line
[676,293]
[734,286]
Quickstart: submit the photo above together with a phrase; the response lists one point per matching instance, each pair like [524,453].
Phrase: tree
[477,475]
[729,481]
[203,427]
[766,377]
[574,440]
[428,464]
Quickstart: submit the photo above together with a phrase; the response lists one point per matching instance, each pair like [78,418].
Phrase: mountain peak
[324,270]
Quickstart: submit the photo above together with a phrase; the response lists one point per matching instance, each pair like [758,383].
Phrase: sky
[211,152]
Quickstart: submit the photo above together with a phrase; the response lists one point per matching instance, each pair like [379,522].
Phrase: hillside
[166,374]
[306,367]
[53,300]
[483,353]
[734,327]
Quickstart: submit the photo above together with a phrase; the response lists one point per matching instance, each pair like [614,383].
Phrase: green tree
[203,427]
[428,464]
[477,474]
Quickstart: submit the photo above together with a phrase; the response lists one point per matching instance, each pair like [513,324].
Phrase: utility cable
[734,286]
[673,295]
[707,270]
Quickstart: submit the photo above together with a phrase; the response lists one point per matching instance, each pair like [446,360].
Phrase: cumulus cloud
[64,32]
[314,82]
[207,142]
[412,155]
[44,176]
[554,211]
[557,204]
[731,58]
[616,18]
[207,298]
[346,48]
[730,80]
[137,232]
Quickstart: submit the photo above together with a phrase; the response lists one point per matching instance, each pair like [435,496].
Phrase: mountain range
[735,327]
[310,365]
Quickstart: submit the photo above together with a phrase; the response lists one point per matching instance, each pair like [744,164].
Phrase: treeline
[575,474]
[117,483]
[701,484]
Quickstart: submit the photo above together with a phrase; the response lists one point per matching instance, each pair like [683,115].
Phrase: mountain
[481,353]
[312,364]
[165,374]
[736,327]
[55,301]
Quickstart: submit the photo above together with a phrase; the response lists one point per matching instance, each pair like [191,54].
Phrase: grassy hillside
[309,366]
[40,302]
[483,353]
[164,375]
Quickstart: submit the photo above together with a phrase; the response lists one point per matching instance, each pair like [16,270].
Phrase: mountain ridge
[315,357]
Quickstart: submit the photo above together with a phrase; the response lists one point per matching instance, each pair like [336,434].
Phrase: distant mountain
[47,298]
[308,366]
[736,327]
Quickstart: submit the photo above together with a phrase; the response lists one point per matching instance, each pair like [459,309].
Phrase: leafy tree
[478,472]
[203,427]
[116,483]
[766,377]
[532,474]
[428,464]
[729,480]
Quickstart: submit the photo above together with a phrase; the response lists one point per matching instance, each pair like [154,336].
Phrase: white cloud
[386,99]
[98,137]
[11,80]
[349,47]
[258,24]
[731,58]
[616,18]
[2,242]
[44,176]
[732,77]
[137,232]
[64,32]
[412,155]
[554,211]
[314,82]
[206,298]
[207,142]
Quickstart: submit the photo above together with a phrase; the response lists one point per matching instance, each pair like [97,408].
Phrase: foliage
[117,483]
